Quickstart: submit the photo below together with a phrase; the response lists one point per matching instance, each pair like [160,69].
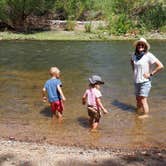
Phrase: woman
[145,65]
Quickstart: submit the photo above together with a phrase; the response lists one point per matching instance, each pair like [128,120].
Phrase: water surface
[24,69]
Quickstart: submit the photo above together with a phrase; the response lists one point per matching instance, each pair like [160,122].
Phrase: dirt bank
[33,154]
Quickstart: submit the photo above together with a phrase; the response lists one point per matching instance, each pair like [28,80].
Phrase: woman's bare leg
[139,104]
[145,107]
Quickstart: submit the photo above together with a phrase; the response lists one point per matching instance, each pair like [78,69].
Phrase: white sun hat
[142,40]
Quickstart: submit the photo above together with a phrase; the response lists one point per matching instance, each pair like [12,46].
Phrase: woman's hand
[147,75]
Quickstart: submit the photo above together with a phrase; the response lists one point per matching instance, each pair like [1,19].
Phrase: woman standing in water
[145,65]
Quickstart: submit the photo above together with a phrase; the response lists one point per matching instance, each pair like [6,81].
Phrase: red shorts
[57,106]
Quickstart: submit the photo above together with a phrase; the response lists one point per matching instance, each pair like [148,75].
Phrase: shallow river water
[24,69]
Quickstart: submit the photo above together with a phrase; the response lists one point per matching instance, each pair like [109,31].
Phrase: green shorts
[94,114]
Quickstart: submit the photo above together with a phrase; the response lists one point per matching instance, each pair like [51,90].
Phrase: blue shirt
[51,88]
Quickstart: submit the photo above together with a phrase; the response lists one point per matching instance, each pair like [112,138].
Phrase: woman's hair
[145,48]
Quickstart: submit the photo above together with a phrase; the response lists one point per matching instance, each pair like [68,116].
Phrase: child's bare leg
[53,117]
[90,121]
[60,117]
[94,126]
[96,121]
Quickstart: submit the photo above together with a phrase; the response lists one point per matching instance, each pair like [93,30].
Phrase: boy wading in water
[93,98]
[52,89]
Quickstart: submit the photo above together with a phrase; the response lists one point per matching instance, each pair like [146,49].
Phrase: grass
[73,35]
[48,35]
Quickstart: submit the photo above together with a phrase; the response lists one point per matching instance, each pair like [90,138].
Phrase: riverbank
[77,35]
[34,154]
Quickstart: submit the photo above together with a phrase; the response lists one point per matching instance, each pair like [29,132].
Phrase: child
[54,92]
[94,105]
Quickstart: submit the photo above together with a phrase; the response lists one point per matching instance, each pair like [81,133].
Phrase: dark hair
[91,85]
[136,49]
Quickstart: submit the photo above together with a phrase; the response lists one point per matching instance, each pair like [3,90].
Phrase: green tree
[15,12]
[122,15]
[73,9]
[151,15]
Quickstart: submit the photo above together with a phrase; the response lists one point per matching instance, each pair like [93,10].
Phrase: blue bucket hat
[95,79]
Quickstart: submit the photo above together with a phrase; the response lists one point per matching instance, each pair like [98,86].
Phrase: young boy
[94,105]
[54,92]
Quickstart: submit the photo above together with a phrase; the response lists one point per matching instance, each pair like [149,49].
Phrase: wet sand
[34,154]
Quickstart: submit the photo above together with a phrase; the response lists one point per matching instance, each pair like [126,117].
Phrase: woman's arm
[132,64]
[158,68]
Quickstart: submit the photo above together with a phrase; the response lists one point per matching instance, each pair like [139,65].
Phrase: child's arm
[44,95]
[84,97]
[61,93]
[101,105]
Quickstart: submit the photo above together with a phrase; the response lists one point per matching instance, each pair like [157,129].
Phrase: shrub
[120,24]
[88,27]
[163,29]
[70,25]
[154,17]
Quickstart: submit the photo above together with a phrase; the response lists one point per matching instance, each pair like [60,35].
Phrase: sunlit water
[24,69]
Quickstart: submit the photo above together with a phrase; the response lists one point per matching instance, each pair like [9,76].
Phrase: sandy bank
[33,154]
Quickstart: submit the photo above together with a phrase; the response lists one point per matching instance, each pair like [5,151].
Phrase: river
[24,69]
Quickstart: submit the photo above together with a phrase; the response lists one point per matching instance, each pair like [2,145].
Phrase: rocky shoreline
[34,154]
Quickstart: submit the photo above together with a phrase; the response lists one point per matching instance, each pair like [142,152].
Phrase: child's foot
[143,116]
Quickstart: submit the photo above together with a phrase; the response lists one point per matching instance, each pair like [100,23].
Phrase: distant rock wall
[79,25]
[41,23]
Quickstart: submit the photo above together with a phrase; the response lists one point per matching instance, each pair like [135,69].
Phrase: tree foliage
[15,12]
[122,15]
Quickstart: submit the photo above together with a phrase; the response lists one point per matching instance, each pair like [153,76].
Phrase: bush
[120,24]
[88,27]
[154,17]
[163,29]
[70,25]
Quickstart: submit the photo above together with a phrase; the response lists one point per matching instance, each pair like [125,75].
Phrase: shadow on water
[123,106]
[46,112]
[84,122]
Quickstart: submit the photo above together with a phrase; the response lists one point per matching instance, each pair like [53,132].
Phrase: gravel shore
[15,153]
